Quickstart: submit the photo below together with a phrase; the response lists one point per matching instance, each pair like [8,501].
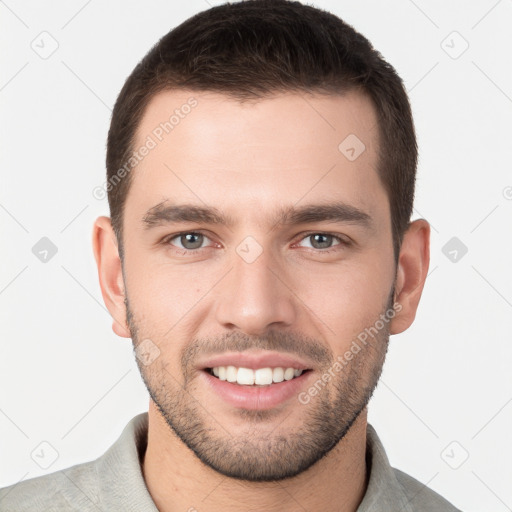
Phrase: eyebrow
[167,213]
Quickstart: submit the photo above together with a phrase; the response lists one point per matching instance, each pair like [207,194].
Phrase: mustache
[291,343]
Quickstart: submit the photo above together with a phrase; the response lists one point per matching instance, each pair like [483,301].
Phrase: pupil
[318,243]
[192,240]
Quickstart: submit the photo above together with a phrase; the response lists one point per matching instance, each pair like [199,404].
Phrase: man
[261,165]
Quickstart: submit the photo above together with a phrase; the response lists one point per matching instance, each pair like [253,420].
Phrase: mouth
[255,379]
[259,377]
[256,388]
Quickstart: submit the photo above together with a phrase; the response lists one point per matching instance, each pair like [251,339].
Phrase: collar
[121,480]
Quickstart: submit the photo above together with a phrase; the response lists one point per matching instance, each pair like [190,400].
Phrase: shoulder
[391,489]
[113,481]
[421,497]
[73,488]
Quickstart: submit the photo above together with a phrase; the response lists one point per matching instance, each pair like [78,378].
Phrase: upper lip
[255,360]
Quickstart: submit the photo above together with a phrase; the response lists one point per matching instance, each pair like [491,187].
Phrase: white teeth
[278,374]
[263,376]
[260,377]
[231,372]
[245,376]
[289,373]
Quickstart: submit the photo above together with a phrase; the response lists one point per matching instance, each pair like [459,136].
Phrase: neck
[177,480]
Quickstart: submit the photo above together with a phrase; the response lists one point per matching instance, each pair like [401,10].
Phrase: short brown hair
[252,49]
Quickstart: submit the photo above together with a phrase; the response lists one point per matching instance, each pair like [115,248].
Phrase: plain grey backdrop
[68,384]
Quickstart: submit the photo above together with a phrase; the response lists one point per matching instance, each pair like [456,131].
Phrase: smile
[255,377]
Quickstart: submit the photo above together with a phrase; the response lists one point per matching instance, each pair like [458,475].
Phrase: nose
[255,297]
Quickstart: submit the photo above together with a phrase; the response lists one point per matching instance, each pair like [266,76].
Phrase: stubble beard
[264,454]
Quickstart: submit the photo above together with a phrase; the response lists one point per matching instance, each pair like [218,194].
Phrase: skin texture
[302,295]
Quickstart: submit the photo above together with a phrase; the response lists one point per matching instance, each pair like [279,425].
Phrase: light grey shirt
[114,482]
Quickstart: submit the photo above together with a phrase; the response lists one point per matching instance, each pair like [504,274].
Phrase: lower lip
[256,397]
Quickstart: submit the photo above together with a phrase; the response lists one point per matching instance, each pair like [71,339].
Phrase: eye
[189,240]
[322,240]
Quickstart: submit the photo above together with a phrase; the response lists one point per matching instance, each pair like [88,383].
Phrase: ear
[110,274]
[412,271]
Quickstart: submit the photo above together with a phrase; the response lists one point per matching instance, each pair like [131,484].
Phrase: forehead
[208,148]
[322,121]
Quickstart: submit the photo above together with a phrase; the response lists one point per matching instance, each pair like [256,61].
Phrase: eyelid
[166,240]
[343,240]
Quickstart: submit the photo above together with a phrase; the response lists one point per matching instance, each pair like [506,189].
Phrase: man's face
[259,285]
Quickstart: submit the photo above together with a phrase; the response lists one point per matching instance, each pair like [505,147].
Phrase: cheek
[163,295]
[344,301]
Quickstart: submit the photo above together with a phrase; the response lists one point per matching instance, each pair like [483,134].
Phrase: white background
[67,379]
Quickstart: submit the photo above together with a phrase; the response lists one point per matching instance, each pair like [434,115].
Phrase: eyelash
[342,242]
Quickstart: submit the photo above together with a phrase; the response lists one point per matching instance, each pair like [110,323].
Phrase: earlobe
[110,274]
[412,271]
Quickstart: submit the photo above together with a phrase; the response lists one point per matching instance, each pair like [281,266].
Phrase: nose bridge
[253,298]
